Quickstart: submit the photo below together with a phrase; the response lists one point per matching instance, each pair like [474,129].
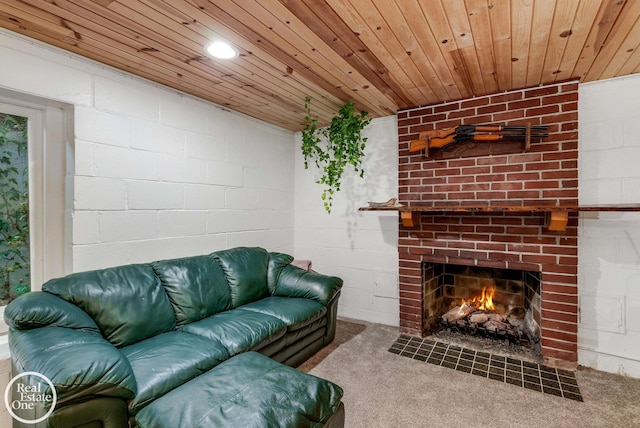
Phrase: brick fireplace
[544,176]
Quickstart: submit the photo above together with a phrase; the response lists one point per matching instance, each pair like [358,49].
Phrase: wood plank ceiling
[384,55]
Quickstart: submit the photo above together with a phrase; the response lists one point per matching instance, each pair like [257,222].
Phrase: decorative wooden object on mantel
[476,140]
[557,216]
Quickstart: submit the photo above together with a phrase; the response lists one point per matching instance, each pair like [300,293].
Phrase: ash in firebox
[486,344]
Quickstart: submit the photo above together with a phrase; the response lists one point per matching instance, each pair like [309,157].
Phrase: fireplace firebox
[493,302]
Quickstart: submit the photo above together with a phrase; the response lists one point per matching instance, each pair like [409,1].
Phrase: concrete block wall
[360,247]
[158,174]
[609,242]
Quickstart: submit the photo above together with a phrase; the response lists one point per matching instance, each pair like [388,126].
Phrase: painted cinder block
[257,219]
[130,225]
[184,112]
[85,227]
[224,174]
[204,244]
[121,162]
[84,158]
[129,96]
[26,70]
[219,221]
[156,137]
[204,197]
[179,170]
[181,223]
[156,249]
[202,146]
[102,127]
[154,195]
[242,199]
[97,193]
[99,256]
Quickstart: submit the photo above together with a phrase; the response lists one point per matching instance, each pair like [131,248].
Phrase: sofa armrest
[296,282]
[40,309]
[80,364]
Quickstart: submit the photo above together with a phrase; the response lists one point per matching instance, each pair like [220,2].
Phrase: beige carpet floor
[382,389]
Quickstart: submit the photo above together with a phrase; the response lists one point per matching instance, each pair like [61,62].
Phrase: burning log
[516,322]
[495,317]
[478,318]
[496,326]
[459,312]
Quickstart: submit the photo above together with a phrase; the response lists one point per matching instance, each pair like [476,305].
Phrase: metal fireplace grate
[558,382]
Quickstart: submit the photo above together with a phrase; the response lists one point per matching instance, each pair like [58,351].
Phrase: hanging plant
[344,146]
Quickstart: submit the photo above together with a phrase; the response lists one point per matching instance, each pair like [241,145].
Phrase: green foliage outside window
[14,208]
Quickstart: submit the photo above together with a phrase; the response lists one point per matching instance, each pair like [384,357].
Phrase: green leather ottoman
[248,390]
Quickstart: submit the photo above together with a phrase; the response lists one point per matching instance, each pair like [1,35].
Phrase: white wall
[360,247]
[609,242]
[158,174]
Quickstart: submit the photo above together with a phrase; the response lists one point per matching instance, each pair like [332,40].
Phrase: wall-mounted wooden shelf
[557,216]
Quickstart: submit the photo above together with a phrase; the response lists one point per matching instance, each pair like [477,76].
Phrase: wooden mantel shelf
[556,221]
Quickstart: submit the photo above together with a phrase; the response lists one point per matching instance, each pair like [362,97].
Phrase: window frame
[50,153]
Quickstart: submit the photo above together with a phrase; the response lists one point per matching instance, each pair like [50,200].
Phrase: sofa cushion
[239,330]
[296,313]
[277,261]
[256,392]
[246,272]
[168,360]
[196,286]
[128,303]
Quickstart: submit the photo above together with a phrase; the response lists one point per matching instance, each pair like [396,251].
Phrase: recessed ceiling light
[222,50]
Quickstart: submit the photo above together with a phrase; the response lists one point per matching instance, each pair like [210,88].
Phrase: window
[50,174]
[15,271]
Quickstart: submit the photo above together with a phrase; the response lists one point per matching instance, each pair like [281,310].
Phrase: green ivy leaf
[344,146]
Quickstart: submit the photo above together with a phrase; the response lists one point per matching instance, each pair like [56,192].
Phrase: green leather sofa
[114,340]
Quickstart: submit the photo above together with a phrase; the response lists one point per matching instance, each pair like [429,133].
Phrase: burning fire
[482,303]
[485,302]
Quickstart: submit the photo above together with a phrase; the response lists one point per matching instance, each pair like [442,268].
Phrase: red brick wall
[545,175]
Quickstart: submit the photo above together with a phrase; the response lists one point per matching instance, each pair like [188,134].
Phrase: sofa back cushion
[277,262]
[246,272]
[128,303]
[196,286]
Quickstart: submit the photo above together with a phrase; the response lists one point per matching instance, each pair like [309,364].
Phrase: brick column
[545,175]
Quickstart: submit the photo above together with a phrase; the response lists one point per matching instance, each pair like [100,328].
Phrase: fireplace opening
[502,304]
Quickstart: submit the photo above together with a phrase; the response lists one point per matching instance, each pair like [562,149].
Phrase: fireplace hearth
[489,365]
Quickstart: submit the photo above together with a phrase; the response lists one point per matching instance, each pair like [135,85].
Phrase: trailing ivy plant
[14,208]
[342,145]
